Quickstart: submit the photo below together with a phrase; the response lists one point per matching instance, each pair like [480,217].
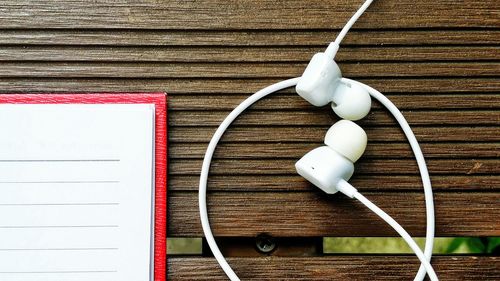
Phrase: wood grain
[385,150]
[335,268]
[301,214]
[290,134]
[247,38]
[292,182]
[241,70]
[314,117]
[244,54]
[247,14]
[293,101]
[207,86]
[363,166]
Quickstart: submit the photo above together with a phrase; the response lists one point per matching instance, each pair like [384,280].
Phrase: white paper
[76,192]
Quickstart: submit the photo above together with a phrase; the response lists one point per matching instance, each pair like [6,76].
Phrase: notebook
[83,187]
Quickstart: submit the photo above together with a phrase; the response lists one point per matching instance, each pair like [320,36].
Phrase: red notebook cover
[160,101]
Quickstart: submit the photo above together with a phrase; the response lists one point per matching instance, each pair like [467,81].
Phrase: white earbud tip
[351,101]
[348,139]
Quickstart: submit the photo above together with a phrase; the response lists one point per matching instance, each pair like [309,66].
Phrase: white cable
[424,173]
[289,83]
[202,193]
[349,190]
[399,229]
[334,46]
[331,50]
[351,22]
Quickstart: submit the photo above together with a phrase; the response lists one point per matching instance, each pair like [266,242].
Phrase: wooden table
[437,60]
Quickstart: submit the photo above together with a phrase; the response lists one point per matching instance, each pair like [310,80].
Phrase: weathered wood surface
[317,134]
[240,69]
[335,268]
[208,86]
[278,183]
[262,37]
[437,60]
[247,14]
[243,54]
[311,213]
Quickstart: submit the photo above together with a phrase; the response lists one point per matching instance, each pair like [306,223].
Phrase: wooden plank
[248,14]
[323,117]
[206,86]
[292,182]
[244,54]
[380,150]
[293,101]
[265,37]
[301,214]
[363,166]
[334,268]
[241,70]
[317,133]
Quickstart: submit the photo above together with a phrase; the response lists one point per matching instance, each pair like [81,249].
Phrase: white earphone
[330,167]
[321,83]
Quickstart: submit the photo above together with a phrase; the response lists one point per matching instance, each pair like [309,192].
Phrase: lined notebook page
[76,192]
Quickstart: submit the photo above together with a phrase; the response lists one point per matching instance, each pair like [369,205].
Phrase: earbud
[329,166]
[321,83]
[347,138]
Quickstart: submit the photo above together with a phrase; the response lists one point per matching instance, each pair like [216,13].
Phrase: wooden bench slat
[244,54]
[283,214]
[317,134]
[265,37]
[293,101]
[392,166]
[205,86]
[242,70]
[292,182]
[249,14]
[318,117]
[360,268]
[385,150]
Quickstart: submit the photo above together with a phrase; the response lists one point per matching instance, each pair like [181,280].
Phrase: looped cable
[290,83]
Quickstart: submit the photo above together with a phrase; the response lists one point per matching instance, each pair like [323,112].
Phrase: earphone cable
[422,166]
[349,190]
[334,46]
[402,232]
[331,51]
[202,193]
[351,21]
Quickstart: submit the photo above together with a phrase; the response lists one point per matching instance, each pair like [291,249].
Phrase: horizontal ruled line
[57,226]
[63,204]
[57,272]
[59,182]
[59,160]
[61,249]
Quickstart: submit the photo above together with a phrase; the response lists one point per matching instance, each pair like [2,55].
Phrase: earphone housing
[319,80]
[321,83]
[325,168]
